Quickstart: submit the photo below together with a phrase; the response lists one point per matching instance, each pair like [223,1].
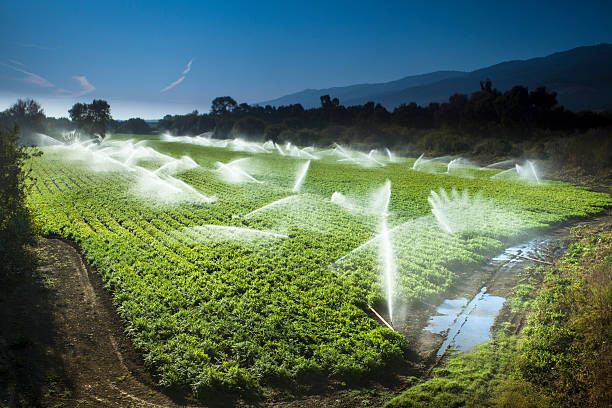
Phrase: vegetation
[517,111]
[486,124]
[211,312]
[561,358]
[16,231]
[93,117]
[566,349]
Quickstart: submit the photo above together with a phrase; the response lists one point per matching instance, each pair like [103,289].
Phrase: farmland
[230,276]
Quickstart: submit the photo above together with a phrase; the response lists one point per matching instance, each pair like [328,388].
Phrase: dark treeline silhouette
[518,113]
[487,124]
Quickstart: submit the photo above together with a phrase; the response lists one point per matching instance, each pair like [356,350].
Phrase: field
[220,292]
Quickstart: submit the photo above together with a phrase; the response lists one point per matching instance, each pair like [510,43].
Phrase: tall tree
[99,111]
[222,105]
[79,115]
[93,117]
[27,115]
[15,227]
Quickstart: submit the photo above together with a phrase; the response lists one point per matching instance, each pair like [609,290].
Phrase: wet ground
[465,324]
[464,317]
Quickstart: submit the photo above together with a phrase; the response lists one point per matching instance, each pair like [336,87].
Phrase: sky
[151,58]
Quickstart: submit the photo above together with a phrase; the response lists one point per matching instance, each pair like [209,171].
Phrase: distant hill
[310,98]
[582,78]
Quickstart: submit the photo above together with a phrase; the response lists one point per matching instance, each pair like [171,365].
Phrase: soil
[65,347]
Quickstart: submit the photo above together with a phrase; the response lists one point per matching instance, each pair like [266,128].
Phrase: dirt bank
[64,344]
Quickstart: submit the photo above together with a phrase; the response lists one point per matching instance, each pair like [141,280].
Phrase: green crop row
[221,309]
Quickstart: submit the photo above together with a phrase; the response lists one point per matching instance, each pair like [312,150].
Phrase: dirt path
[84,358]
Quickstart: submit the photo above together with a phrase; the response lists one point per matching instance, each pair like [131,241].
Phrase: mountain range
[582,78]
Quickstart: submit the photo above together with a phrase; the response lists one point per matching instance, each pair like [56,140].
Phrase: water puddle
[517,254]
[468,323]
[448,312]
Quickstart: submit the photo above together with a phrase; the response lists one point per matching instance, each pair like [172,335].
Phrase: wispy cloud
[30,77]
[188,67]
[39,47]
[86,86]
[173,84]
[180,79]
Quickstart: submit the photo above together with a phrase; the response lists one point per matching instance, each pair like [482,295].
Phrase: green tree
[135,126]
[222,105]
[15,226]
[99,111]
[27,115]
[249,126]
[93,117]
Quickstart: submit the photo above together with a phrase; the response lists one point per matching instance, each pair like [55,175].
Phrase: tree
[79,114]
[328,103]
[135,126]
[222,105]
[481,108]
[99,111]
[93,117]
[249,126]
[15,227]
[514,107]
[27,115]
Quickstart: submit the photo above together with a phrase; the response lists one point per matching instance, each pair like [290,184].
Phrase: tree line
[487,122]
[518,111]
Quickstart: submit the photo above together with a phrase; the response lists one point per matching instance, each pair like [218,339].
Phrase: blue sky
[132,52]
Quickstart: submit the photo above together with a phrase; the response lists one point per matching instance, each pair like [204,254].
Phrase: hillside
[582,77]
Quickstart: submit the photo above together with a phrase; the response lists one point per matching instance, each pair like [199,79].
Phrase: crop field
[240,266]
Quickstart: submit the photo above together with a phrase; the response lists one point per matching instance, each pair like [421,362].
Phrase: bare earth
[72,341]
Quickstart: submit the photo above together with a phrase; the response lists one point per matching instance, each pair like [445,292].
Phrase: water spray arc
[300,177]
[273,204]
[385,246]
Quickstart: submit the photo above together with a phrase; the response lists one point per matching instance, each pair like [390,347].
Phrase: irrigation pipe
[380,317]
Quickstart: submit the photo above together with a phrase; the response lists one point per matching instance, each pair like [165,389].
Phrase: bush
[443,142]
[493,147]
[590,151]
[249,127]
[15,226]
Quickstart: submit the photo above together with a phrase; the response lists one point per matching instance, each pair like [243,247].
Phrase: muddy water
[464,324]
[471,324]
[464,316]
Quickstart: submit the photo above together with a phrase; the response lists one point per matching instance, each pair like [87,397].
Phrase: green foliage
[561,359]
[567,348]
[15,226]
[239,315]
[92,117]
[465,380]
[135,126]
[488,111]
